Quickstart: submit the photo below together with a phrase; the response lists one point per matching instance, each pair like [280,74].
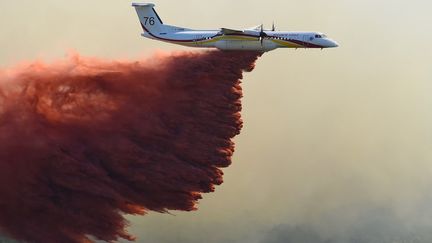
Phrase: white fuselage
[255,39]
[273,40]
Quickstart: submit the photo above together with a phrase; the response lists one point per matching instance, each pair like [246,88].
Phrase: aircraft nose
[333,43]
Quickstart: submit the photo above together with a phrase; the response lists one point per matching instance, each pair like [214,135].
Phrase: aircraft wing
[226,31]
[256,28]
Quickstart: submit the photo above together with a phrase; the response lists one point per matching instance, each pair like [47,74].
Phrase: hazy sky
[337,143]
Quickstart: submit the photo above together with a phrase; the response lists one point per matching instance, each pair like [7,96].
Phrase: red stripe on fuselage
[305,44]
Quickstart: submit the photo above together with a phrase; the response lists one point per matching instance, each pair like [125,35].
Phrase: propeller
[262,34]
[273,26]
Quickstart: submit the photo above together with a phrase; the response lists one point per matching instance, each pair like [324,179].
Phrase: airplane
[252,39]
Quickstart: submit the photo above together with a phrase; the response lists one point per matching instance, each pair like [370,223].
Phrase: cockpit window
[320,36]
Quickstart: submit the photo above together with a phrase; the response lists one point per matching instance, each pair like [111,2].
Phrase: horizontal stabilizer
[143,5]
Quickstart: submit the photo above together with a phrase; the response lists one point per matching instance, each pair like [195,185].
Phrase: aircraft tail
[150,20]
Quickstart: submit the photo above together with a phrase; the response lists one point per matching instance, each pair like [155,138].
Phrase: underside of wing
[226,31]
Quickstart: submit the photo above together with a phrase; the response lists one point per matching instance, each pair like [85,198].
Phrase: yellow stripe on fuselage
[283,43]
[287,44]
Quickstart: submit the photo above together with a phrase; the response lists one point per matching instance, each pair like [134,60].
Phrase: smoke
[84,142]
[381,225]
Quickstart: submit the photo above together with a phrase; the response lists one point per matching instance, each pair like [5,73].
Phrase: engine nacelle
[252,32]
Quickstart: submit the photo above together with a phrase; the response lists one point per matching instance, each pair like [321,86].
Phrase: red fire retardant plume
[84,142]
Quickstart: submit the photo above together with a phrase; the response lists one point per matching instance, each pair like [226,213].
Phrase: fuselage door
[197,38]
[307,39]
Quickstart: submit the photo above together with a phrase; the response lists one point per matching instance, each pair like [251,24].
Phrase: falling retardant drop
[85,141]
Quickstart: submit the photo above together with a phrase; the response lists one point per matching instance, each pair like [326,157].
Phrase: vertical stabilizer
[150,20]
